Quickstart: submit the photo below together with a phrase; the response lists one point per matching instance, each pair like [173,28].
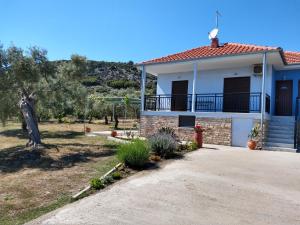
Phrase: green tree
[30,84]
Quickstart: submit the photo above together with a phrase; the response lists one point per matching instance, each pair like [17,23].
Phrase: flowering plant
[198,128]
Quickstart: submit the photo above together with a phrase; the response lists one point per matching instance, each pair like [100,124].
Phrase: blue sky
[123,30]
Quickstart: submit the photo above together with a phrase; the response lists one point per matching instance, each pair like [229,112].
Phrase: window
[187,121]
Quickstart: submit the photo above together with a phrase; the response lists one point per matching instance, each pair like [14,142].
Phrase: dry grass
[35,182]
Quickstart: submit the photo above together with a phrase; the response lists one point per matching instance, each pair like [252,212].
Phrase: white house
[227,88]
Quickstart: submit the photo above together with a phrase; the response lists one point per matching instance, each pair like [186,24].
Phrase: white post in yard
[263,94]
[143,81]
[194,87]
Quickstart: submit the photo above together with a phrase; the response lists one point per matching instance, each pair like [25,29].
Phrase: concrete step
[280,140]
[280,131]
[280,127]
[280,134]
[282,118]
[280,149]
[276,144]
[282,124]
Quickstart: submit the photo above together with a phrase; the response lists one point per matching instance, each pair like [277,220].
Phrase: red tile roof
[292,57]
[225,49]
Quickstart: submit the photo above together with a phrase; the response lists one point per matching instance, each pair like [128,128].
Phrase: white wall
[240,130]
[212,81]
[164,82]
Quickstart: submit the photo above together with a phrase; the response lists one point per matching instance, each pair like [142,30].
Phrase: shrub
[183,147]
[167,130]
[134,154]
[96,183]
[192,146]
[108,180]
[116,175]
[163,144]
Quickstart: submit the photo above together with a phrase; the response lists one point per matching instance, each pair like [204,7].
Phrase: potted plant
[198,137]
[114,133]
[252,143]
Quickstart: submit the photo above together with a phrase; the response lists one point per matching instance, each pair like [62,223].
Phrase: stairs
[280,134]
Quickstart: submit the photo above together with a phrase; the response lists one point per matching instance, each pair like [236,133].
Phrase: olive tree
[28,79]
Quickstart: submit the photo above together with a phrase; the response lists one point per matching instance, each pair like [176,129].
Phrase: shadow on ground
[50,158]
[18,133]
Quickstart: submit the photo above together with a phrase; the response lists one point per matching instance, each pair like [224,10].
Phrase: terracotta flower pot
[114,133]
[251,144]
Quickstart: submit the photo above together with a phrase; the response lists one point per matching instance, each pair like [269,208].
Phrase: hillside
[115,78]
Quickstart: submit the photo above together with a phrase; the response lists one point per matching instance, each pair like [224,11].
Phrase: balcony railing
[216,102]
[168,102]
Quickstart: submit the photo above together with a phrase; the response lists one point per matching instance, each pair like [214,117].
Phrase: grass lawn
[35,182]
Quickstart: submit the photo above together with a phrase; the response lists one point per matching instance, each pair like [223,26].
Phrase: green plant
[96,183]
[108,180]
[254,132]
[163,144]
[116,175]
[183,147]
[192,146]
[167,130]
[134,154]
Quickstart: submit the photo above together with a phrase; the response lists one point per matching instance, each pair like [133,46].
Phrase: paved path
[231,186]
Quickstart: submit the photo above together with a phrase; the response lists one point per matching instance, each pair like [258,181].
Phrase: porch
[241,102]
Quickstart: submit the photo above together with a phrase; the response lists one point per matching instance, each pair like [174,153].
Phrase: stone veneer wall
[217,130]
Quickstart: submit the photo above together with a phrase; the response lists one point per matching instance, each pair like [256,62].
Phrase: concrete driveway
[221,185]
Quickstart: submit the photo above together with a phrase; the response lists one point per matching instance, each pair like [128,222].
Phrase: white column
[143,81]
[263,91]
[194,87]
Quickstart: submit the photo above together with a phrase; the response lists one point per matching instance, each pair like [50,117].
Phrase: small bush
[116,175]
[167,130]
[192,146]
[163,144]
[134,154]
[96,183]
[108,180]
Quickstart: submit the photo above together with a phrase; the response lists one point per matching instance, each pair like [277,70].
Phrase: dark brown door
[236,94]
[284,97]
[179,95]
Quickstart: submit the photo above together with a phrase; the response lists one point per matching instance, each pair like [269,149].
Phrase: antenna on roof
[217,18]
[214,32]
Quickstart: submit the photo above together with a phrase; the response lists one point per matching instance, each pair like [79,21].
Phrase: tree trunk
[24,126]
[116,122]
[106,120]
[26,105]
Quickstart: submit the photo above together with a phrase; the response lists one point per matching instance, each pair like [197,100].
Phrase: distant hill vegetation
[115,78]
